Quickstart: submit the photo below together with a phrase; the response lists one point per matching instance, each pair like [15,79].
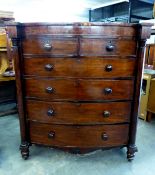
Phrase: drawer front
[79,136]
[76,67]
[53,46]
[100,47]
[79,89]
[78,113]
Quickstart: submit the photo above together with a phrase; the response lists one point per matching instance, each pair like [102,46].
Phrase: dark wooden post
[143,34]
[16,42]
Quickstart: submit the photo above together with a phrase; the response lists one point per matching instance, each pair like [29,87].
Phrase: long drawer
[79,89]
[79,136]
[79,67]
[78,113]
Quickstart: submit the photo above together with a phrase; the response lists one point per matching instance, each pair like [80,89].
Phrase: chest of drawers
[78,84]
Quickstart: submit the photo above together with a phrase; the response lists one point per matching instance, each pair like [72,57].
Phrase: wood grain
[78,113]
[79,89]
[59,46]
[111,30]
[97,47]
[80,67]
[79,136]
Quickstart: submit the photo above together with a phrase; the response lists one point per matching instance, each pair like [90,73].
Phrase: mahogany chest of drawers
[78,84]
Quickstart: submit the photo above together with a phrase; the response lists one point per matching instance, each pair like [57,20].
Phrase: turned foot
[24,148]
[131,152]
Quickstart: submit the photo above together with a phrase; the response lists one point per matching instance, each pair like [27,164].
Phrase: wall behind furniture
[52,10]
[47,10]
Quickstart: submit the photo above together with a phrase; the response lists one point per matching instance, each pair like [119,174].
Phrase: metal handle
[48,67]
[107,91]
[104,136]
[50,112]
[49,90]
[106,114]
[51,134]
[47,47]
[110,47]
[108,68]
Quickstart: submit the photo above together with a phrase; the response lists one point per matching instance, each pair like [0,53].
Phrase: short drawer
[102,46]
[65,46]
[78,113]
[79,89]
[79,67]
[79,136]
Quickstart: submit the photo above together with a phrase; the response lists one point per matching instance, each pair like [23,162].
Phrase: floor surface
[47,161]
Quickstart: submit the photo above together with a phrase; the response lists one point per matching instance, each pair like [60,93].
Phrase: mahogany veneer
[84,113]
[78,67]
[79,136]
[78,89]
[78,84]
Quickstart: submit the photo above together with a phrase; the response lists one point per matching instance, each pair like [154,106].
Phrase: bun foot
[131,152]
[24,148]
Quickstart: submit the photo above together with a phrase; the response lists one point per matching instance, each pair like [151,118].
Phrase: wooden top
[79,24]
[81,28]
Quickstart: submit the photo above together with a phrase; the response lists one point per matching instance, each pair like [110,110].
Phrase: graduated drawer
[79,136]
[78,113]
[103,46]
[50,45]
[79,67]
[78,89]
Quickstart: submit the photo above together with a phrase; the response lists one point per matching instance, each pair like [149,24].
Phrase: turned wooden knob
[51,134]
[106,114]
[47,47]
[104,136]
[108,68]
[50,112]
[48,67]
[110,47]
[107,91]
[49,90]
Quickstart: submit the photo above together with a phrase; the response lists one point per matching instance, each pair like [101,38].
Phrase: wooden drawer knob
[49,90]
[51,134]
[110,47]
[104,136]
[47,47]
[107,91]
[50,112]
[48,67]
[108,68]
[106,114]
